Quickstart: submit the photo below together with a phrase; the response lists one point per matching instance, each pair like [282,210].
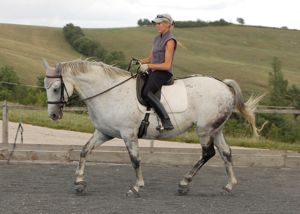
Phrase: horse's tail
[248,108]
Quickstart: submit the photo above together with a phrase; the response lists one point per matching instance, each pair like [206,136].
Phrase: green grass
[263,144]
[239,52]
[23,46]
[191,137]
[71,121]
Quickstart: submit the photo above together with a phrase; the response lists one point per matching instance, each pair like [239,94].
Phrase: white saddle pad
[173,98]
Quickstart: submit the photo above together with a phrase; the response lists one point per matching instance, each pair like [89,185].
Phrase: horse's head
[58,89]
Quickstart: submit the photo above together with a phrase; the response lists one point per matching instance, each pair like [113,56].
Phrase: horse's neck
[89,84]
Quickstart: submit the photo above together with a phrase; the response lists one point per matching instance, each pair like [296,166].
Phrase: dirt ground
[42,135]
[41,188]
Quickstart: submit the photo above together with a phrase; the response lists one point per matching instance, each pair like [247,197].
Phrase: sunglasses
[162,17]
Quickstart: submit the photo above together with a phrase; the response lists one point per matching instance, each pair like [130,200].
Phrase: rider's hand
[144,68]
[136,61]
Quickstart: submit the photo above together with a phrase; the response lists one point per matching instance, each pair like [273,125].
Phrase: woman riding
[159,66]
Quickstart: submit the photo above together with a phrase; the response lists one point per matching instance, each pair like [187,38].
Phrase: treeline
[12,90]
[188,24]
[89,48]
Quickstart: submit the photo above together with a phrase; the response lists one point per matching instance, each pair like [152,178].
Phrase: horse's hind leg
[225,153]
[208,152]
[133,150]
[97,139]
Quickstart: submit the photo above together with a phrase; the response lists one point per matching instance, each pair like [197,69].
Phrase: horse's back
[206,87]
[208,97]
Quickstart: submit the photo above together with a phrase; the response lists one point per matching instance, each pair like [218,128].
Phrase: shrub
[75,36]
[15,92]
[279,128]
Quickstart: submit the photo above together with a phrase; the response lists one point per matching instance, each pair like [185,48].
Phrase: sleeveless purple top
[159,49]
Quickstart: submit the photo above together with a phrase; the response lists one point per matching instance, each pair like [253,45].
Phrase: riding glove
[144,68]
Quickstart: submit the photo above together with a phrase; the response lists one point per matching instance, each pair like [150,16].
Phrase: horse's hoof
[230,186]
[183,189]
[133,193]
[227,189]
[80,187]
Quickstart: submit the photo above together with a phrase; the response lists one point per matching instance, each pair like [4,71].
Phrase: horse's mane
[80,66]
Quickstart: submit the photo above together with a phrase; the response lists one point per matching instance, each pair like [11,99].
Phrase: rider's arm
[166,65]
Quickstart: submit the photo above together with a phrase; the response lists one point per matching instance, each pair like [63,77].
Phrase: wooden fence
[6,107]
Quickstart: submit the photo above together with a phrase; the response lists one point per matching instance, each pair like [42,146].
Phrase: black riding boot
[160,110]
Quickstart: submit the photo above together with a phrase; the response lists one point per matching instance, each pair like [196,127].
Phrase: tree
[115,56]
[281,93]
[72,32]
[7,74]
[221,22]
[11,89]
[241,21]
[143,22]
[277,85]
[100,52]
[293,96]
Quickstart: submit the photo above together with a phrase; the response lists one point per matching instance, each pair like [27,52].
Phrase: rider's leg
[160,110]
[154,82]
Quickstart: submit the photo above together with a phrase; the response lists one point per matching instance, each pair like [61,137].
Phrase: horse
[110,96]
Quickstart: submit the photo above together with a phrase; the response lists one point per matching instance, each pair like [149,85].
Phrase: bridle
[63,89]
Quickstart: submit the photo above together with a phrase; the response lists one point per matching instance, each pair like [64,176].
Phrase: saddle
[140,82]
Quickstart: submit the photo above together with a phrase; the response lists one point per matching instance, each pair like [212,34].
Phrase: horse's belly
[181,122]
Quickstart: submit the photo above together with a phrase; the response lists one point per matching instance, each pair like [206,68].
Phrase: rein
[133,61]
[103,92]
[62,100]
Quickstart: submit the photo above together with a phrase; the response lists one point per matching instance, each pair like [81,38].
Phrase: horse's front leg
[133,150]
[97,139]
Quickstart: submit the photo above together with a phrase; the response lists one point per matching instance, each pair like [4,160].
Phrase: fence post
[151,146]
[5,123]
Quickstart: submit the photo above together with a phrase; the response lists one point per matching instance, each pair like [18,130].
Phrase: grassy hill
[238,52]
[241,53]
[23,46]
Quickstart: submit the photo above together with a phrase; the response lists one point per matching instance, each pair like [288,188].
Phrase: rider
[159,66]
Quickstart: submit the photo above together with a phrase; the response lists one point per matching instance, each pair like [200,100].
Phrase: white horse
[115,113]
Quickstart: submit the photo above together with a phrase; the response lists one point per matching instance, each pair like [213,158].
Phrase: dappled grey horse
[110,96]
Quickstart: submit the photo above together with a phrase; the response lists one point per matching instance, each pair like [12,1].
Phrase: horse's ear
[45,63]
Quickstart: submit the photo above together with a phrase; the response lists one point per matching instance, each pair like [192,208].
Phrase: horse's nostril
[53,115]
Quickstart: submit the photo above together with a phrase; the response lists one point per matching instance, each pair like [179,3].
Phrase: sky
[125,13]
